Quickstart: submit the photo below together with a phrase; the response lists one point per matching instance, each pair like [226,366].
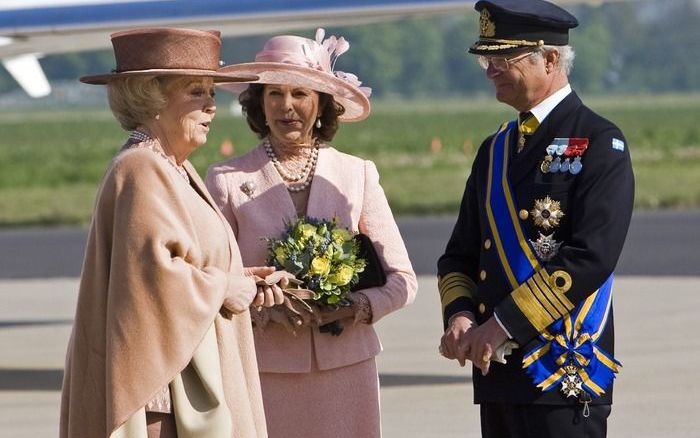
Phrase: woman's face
[187,116]
[290,113]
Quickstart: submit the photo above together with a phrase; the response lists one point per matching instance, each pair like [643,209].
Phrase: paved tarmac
[658,243]
[423,395]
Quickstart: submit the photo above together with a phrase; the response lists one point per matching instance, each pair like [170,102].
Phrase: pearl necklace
[307,172]
[142,137]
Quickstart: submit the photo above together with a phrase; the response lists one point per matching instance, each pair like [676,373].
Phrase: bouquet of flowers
[323,255]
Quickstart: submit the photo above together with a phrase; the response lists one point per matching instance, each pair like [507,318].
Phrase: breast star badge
[546,213]
[545,247]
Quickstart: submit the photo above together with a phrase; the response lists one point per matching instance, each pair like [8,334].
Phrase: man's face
[524,84]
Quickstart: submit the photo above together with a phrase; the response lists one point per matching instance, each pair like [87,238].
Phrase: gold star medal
[546,213]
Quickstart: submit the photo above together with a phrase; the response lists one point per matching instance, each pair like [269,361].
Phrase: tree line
[621,47]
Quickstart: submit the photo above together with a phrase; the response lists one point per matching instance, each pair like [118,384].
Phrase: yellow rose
[344,275]
[320,266]
[307,230]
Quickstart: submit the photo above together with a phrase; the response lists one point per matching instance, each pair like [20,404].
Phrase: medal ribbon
[572,339]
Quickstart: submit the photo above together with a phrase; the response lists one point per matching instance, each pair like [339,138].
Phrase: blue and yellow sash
[568,346]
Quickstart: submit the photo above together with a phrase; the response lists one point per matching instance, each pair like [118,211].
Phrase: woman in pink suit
[314,384]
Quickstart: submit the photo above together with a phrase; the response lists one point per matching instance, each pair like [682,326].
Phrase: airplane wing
[28,73]
[30,28]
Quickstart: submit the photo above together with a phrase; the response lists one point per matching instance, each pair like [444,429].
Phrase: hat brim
[217,76]
[356,104]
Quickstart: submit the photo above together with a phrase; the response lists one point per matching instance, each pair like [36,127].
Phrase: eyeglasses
[501,63]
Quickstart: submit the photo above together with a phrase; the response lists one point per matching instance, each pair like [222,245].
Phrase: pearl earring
[157,117]
[318,123]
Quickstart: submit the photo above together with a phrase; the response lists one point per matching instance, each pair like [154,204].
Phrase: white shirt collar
[542,109]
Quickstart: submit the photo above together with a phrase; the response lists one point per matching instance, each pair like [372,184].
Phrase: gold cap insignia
[486,24]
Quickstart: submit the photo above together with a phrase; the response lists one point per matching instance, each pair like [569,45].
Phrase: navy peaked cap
[510,25]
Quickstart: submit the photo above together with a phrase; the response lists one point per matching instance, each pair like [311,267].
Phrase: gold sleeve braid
[455,285]
[542,298]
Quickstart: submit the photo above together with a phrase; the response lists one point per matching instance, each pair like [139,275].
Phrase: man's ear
[551,59]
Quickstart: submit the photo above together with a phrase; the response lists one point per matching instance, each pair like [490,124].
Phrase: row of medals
[550,164]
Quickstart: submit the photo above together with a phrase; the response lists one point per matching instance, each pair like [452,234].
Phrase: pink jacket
[344,186]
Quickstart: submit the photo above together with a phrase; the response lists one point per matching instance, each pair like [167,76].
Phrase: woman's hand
[267,295]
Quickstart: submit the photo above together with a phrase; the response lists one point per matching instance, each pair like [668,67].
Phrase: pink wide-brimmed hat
[167,52]
[298,61]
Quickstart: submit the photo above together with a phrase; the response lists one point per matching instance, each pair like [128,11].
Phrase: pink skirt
[339,403]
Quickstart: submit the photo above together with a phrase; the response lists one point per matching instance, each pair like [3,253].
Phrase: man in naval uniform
[526,278]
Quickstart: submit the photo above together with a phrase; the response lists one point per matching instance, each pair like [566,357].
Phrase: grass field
[52,161]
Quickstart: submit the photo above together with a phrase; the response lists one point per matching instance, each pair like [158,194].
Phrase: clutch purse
[373,275]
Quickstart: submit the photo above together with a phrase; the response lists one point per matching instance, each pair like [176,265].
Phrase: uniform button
[482,275]
[523,214]
[482,308]
[487,243]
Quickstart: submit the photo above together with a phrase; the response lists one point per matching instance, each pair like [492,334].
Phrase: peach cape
[163,300]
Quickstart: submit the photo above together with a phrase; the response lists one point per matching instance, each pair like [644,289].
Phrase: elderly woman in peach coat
[314,384]
[162,344]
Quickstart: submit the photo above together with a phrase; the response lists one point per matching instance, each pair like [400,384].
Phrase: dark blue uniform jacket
[597,205]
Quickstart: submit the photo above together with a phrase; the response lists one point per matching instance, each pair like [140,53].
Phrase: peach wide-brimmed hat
[167,52]
[298,61]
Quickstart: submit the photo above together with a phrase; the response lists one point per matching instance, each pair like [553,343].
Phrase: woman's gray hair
[566,56]
[136,99]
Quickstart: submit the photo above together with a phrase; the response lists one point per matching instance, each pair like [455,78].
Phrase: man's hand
[452,345]
[482,342]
